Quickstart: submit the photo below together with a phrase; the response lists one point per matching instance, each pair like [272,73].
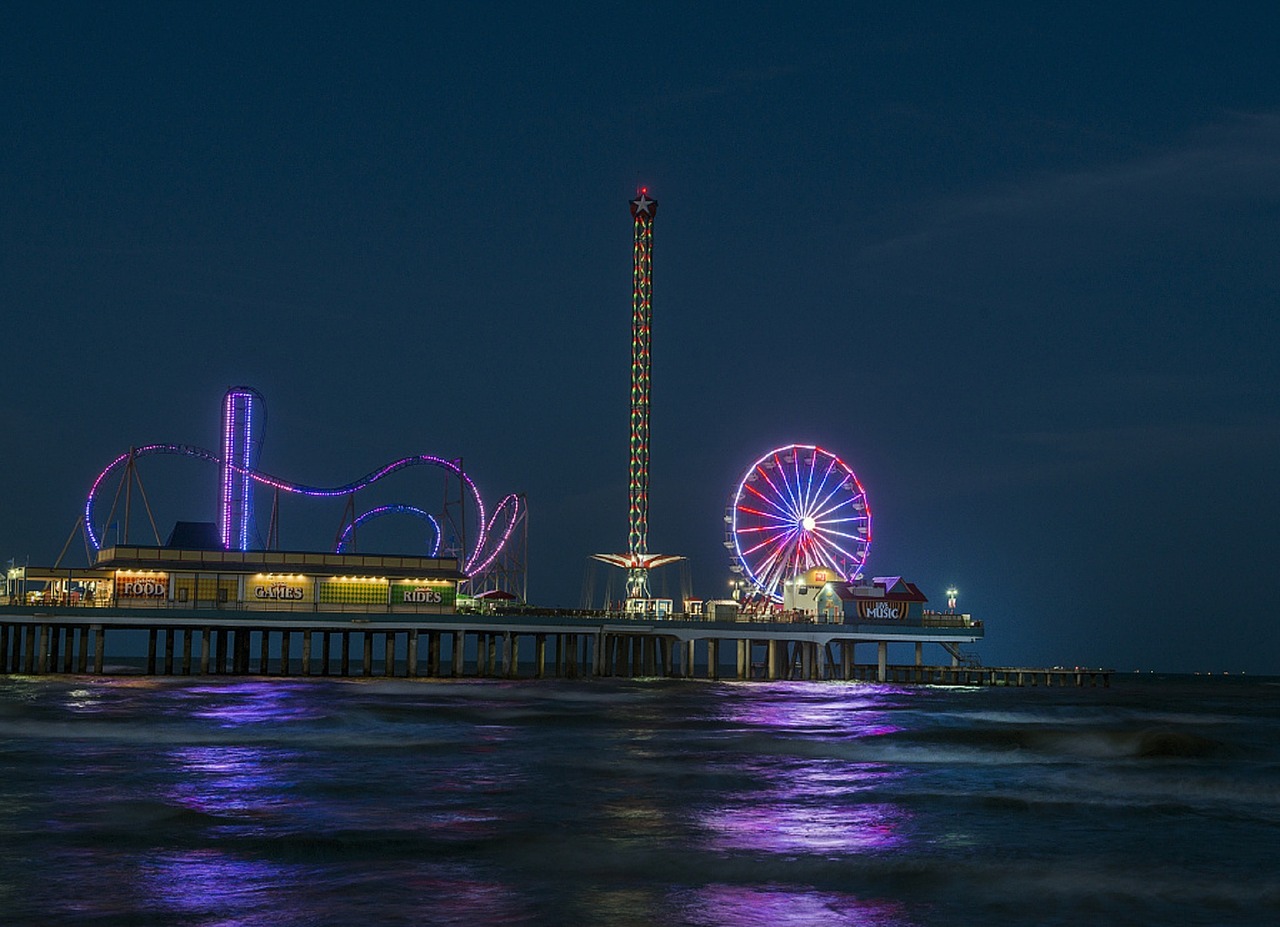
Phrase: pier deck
[570,645]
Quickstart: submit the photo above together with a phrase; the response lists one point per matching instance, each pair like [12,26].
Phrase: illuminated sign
[422,594]
[284,589]
[880,609]
[152,586]
[278,591]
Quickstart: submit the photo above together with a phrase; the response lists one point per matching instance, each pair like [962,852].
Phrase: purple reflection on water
[240,783]
[211,884]
[789,906]
[811,793]
[791,828]
[801,709]
[214,887]
[252,791]
[249,702]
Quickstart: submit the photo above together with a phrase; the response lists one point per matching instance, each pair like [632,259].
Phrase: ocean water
[271,802]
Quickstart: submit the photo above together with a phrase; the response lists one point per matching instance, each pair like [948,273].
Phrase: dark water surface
[130,801]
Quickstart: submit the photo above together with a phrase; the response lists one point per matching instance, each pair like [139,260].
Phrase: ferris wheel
[796,508]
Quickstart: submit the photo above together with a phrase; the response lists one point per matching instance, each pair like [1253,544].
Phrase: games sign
[278,590]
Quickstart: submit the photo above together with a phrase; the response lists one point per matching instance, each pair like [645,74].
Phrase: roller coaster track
[510,505]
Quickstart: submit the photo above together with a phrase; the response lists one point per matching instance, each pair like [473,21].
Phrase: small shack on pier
[885,599]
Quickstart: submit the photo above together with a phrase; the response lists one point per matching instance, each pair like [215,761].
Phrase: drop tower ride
[638,561]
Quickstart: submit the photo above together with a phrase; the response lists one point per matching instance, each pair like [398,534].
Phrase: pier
[195,642]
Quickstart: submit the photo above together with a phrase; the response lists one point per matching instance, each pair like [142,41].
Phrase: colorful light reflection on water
[313,802]
[785,906]
[789,827]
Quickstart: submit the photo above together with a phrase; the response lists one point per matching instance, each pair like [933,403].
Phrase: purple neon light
[237,449]
[246,487]
[319,492]
[224,512]
[391,510]
[185,450]
[302,489]
[807,510]
[511,502]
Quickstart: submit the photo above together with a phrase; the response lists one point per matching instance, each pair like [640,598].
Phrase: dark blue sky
[1016,266]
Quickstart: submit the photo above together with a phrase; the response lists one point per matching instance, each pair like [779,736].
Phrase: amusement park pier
[186,642]
[283,614]
[222,597]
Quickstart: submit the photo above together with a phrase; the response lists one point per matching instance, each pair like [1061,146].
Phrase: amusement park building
[256,580]
[800,593]
[885,598]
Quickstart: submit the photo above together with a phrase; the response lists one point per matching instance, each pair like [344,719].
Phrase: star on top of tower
[642,204]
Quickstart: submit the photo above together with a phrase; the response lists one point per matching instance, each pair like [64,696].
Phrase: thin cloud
[1223,165]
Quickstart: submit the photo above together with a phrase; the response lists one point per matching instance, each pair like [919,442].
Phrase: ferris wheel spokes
[796,508]
[822,485]
[828,545]
[774,502]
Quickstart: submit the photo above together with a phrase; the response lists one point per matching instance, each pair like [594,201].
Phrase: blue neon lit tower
[242,409]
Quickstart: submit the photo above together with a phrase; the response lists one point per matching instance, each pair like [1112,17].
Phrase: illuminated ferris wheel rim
[797,507]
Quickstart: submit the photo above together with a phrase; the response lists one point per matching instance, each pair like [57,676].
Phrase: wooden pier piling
[245,643]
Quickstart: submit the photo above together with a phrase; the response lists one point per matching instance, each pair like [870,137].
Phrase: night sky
[1018,267]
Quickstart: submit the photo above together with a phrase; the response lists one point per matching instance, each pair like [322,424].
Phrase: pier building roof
[880,587]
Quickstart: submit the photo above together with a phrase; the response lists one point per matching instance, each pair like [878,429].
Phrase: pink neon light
[146,450]
[236,471]
[511,501]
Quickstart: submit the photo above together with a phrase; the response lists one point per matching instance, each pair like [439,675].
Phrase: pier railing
[286,607]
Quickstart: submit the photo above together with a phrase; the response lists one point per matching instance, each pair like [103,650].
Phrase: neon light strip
[236,504]
[391,510]
[512,501]
[319,492]
[224,518]
[147,450]
[298,488]
[246,487]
